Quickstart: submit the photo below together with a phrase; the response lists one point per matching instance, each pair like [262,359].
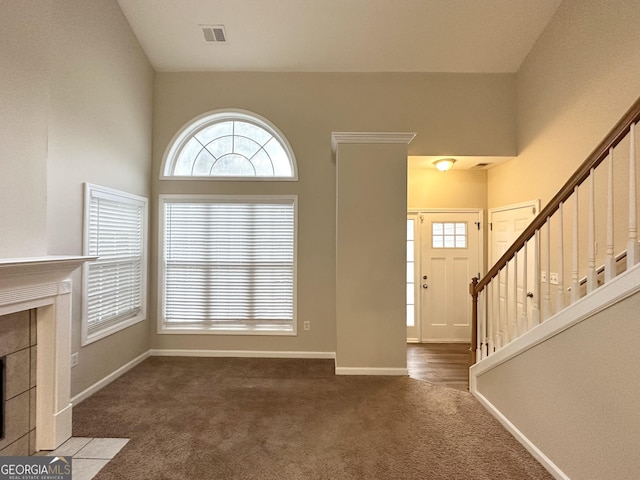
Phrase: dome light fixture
[444,164]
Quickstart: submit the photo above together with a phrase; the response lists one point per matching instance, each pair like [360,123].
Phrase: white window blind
[229,264]
[114,284]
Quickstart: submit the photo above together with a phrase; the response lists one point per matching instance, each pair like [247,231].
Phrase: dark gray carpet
[217,418]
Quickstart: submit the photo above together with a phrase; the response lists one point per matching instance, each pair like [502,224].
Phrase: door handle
[530,294]
[424,285]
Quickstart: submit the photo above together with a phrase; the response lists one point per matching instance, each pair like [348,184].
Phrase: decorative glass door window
[411,283]
[449,235]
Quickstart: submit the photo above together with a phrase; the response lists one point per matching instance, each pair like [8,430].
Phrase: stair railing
[516,293]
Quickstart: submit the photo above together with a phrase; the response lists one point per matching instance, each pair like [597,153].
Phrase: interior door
[450,257]
[505,226]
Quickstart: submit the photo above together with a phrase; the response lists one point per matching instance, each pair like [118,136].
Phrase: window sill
[110,330]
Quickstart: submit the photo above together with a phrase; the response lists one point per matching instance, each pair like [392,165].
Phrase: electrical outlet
[553,278]
[306,325]
[543,277]
[74,359]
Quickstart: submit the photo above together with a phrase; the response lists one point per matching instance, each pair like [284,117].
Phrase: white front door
[505,226]
[448,257]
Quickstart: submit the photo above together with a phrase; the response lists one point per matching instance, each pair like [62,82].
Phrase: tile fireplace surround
[42,285]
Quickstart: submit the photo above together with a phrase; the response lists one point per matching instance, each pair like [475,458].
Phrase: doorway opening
[444,252]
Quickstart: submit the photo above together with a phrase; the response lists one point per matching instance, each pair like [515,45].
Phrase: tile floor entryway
[89,454]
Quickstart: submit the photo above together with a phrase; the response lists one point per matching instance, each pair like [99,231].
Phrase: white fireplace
[43,284]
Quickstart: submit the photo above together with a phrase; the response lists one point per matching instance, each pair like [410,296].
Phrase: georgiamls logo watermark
[35,468]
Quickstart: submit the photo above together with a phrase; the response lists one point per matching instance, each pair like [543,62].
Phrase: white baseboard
[545,461]
[108,379]
[159,352]
[396,372]
[446,340]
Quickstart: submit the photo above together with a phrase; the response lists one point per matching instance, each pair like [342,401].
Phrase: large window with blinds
[114,285]
[228,264]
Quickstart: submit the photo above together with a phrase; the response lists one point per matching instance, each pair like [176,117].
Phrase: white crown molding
[370,137]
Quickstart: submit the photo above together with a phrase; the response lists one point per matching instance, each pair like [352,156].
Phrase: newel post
[474,320]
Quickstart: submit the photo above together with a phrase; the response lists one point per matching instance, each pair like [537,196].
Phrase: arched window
[227,263]
[227,145]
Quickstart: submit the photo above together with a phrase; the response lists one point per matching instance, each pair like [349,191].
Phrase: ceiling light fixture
[444,164]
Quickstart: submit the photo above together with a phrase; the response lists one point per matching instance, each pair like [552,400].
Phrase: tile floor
[89,454]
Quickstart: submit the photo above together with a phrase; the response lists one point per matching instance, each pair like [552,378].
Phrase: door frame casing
[417,254]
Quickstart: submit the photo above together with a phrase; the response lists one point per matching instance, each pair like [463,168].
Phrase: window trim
[202,121]
[162,328]
[87,338]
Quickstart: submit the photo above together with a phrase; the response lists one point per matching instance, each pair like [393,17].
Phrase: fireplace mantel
[43,283]
[15,272]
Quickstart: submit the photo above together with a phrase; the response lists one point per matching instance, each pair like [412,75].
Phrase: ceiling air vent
[214,33]
[481,165]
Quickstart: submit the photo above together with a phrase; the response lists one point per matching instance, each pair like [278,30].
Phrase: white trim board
[545,461]
[396,372]
[108,379]
[159,352]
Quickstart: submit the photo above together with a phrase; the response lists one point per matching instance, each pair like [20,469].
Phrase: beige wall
[461,114]
[579,79]
[100,102]
[572,395]
[575,395]
[370,256]
[429,188]
[76,107]
[24,85]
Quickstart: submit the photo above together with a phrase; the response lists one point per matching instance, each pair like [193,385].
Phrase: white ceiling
[340,35]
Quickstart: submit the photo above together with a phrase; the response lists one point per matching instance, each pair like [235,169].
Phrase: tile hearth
[90,455]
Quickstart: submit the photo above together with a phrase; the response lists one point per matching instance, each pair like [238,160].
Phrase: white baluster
[575,280]
[497,316]
[535,311]
[507,323]
[503,334]
[546,303]
[633,247]
[483,316]
[479,331]
[490,301]
[501,340]
[560,294]
[514,323]
[524,321]
[592,277]
[609,261]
